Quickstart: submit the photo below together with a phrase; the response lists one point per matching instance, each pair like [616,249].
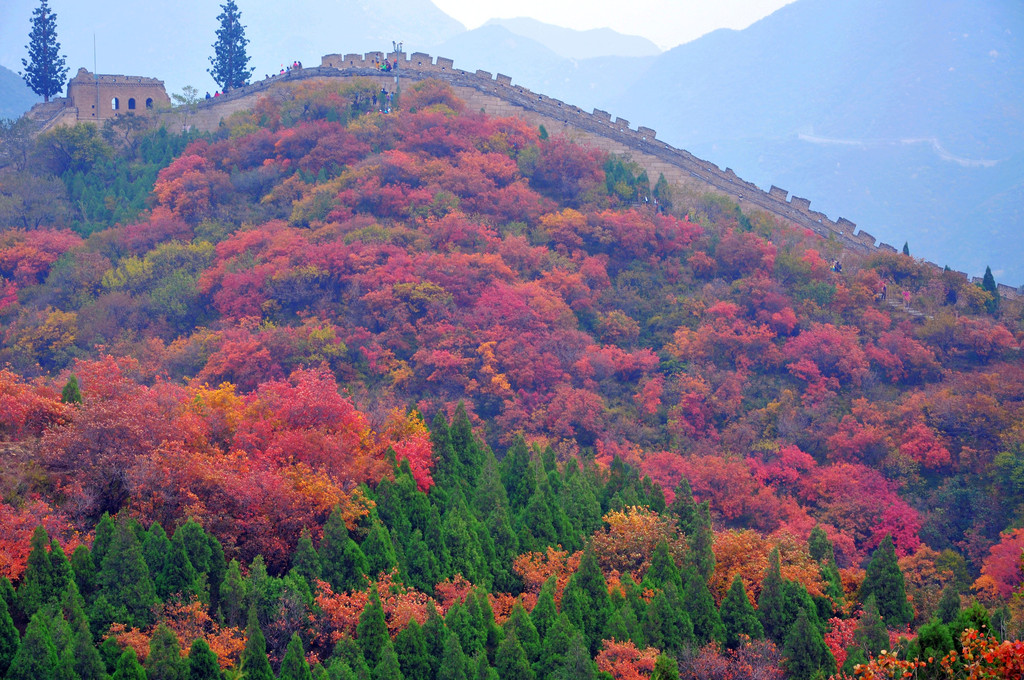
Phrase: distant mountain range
[15,97]
[901,116]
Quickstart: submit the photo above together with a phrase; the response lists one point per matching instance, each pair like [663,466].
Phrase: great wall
[107,96]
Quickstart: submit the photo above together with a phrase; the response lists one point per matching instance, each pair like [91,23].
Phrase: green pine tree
[343,562]
[885,581]
[372,631]
[700,606]
[459,533]
[555,646]
[164,661]
[254,661]
[388,668]
[871,634]
[934,641]
[411,647]
[230,63]
[104,536]
[577,663]
[294,665]
[45,69]
[233,595]
[949,603]
[124,576]
[71,394]
[906,248]
[511,662]
[128,667]
[434,632]
[665,668]
[667,625]
[771,604]
[202,662]
[585,600]
[305,560]
[348,652]
[701,537]
[819,546]
[805,652]
[35,589]
[178,576]
[9,639]
[379,550]
[481,669]
[155,549]
[520,625]
[663,568]
[453,661]
[517,474]
[738,615]
[988,284]
[544,611]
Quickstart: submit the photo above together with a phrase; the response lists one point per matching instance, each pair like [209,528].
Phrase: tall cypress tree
[294,665]
[9,639]
[870,633]
[45,69]
[519,624]
[545,612]
[124,576]
[577,663]
[35,589]
[230,63]
[71,394]
[372,630]
[453,660]
[164,661]
[378,549]
[411,647]
[988,284]
[805,651]
[305,560]
[585,599]
[771,603]
[128,667]
[155,548]
[254,661]
[511,662]
[36,658]
[701,538]
[178,575]
[388,668]
[202,662]
[342,561]
[738,615]
[885,581]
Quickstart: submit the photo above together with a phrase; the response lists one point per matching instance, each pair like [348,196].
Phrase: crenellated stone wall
[498,96]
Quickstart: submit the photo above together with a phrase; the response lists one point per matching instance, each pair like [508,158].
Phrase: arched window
[114,104]
[131,104]
[149,102]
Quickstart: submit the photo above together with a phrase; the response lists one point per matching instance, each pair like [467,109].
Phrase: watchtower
[99,97]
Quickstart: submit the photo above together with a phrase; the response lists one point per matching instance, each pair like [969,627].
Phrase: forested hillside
[431,395]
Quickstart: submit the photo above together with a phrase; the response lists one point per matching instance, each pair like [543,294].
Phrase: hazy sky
[665,22]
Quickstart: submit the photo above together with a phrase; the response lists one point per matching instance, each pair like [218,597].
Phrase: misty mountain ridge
[573,44]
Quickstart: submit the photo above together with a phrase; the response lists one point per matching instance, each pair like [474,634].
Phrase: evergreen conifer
[805,652]
[294,665]
[35,589]
[411,647]
[511,662]
[372,631]
[885,581]
[585,600]
[128,667]
[124,576]
[45,69]
[254,661]
[949,603]
[771,601]
[665,668]
[453,661]
[70,394]
[388,668]
[164,661]
[738,615]
[230,63]
[202,662]
[519,624]
[9,638]
[577,663]
[870,633]
[343,562]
